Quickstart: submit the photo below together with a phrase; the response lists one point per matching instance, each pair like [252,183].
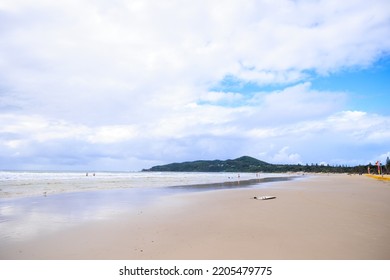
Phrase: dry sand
[321,217]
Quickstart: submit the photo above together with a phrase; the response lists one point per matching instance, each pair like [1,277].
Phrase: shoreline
[34,187]
[320,217]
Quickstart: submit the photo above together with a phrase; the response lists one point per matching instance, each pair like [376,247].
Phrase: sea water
[27,183]
[33,203]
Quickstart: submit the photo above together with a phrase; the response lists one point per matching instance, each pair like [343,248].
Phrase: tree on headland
[249,164]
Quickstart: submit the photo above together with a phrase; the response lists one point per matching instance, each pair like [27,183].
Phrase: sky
[128,84]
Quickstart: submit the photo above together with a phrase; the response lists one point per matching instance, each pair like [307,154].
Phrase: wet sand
[321,217]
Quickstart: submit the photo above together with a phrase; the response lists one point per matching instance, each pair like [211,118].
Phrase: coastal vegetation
[250,164]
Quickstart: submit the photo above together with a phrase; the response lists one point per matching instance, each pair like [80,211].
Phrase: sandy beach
[319,217]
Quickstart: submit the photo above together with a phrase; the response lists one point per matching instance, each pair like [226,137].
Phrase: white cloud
[81,49]
[297,102]
[361,126]
[210,137]
[129,82]
[221,97]
[112,134]
[350,126]
[284,156]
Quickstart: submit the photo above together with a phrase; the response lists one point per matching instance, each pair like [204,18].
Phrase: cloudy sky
[128,84]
